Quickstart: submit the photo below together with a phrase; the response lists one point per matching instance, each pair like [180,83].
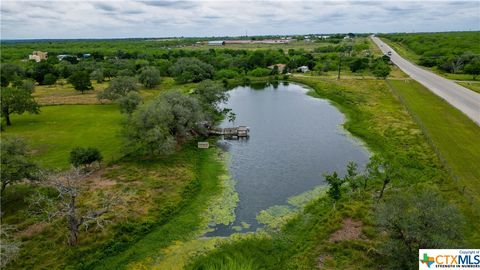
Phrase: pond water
[294,139]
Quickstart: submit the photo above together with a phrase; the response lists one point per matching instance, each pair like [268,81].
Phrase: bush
[417,220]
[260,72]
[225,74]
[81,156]
[49,79]
[380,69]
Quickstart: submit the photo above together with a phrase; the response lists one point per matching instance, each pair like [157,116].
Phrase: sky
[144,19]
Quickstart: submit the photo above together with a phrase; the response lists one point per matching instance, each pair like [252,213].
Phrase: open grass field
[63,93]
[57,129]
[454,134]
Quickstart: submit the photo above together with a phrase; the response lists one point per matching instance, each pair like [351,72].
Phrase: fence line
[463,189]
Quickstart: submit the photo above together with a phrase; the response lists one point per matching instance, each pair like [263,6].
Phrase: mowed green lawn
[454,134]
[57,129]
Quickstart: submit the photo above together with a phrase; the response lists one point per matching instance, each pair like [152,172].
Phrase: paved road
[458,96]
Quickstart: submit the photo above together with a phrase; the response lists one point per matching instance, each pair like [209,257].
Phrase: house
[38,56]
[303,69]
[63,56]
[87,55]
[216,43]
[281,67]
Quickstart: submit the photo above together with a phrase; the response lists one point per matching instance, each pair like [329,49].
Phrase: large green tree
[149,77]
[130,102]
[191,70]
[15,162]
[10,73]
[17,99]
[414,220]
[80,81]
[156,127]
[119,87]
[211,94]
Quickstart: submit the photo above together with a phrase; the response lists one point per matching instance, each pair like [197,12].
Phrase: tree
[10,73]
[414,220]
[149,77]
[80,81]
[381,70]
[119,87]
[191,70]
[129,103]
[97,75]
[69,186]
[473,68]
[81,156]
[384,170]
[352,177]
[211,94]
[156,127]
[358,64]
[15,162]
[49,79]
[231,117]
[17,99]
[335,184]
[41,69]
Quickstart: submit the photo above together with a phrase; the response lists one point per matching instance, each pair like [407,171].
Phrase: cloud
[134,18]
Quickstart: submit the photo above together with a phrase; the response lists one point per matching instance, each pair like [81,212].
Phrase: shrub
[260,72]
[225,74]
[49,79]
[81,156]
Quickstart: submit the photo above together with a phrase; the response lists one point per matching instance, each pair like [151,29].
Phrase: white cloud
[130,18]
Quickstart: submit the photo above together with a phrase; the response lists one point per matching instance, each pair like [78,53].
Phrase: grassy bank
[184,225]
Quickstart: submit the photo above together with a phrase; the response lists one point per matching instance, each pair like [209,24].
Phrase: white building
[303,69]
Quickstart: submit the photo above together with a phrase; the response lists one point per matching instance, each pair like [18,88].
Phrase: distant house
[280,67]
[63,56]
[303,69]
[38,56]
[86,55]
[216,43]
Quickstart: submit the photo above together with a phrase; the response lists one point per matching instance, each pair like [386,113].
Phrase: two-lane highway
[458,96]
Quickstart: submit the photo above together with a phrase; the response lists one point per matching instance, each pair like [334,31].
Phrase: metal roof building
[216,42]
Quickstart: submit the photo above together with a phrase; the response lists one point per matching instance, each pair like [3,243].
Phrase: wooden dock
[233,132]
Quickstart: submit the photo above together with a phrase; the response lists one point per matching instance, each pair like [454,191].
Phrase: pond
[294,139]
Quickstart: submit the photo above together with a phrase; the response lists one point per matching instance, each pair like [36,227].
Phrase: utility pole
[339,66]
